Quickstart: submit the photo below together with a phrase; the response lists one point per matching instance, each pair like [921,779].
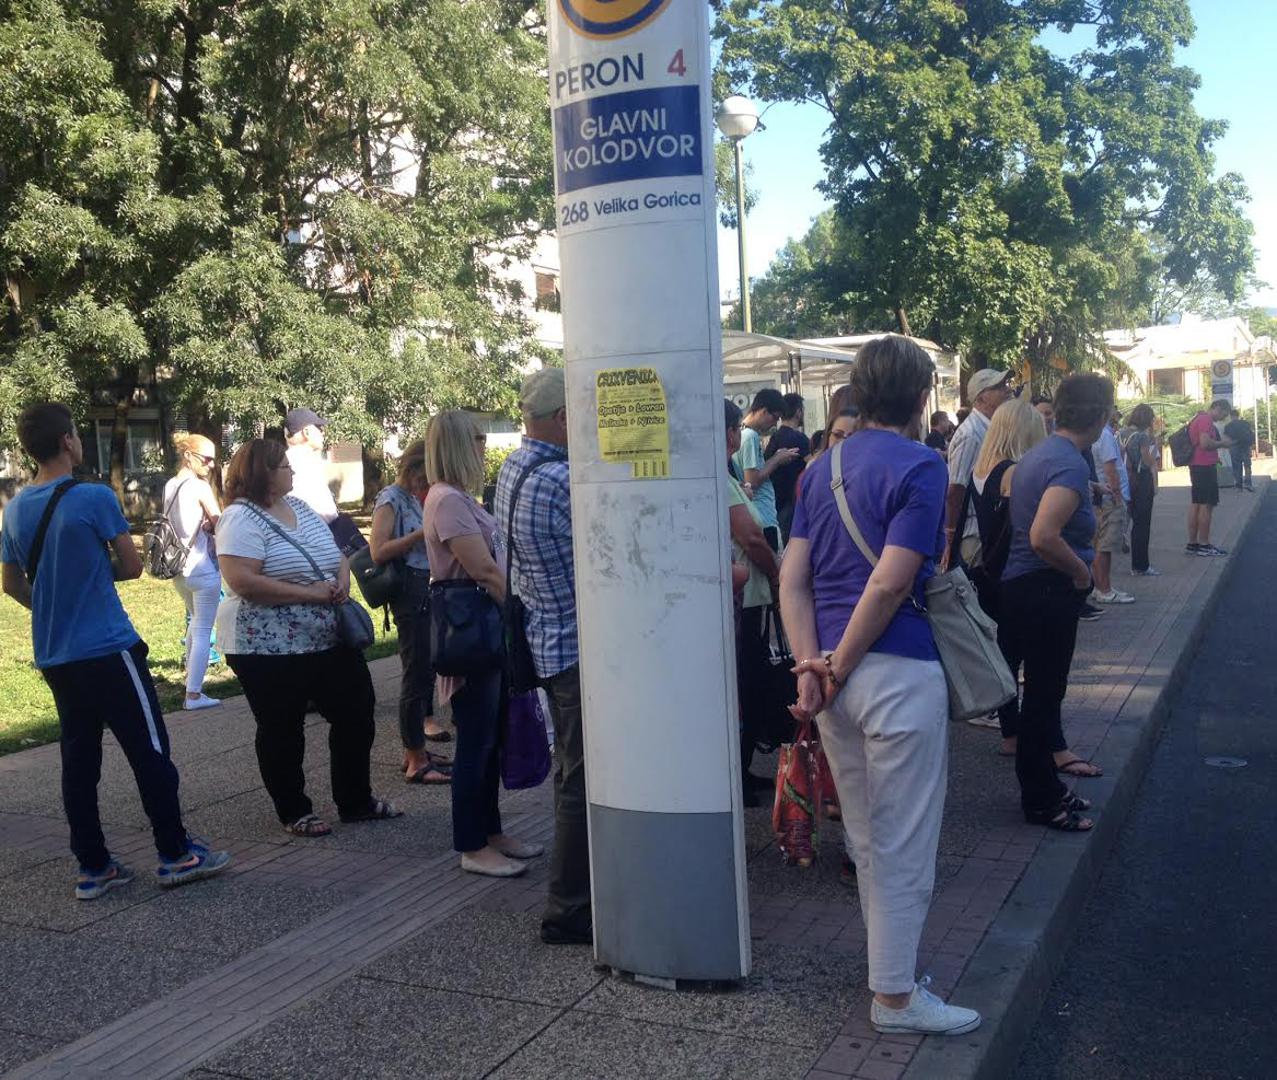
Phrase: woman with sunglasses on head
[192,509]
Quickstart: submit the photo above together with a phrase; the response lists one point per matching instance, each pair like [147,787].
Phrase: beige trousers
[886,737]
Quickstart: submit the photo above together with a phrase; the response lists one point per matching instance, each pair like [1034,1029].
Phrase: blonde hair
[190,442]
[452,451]
[412,460]
[1016,428]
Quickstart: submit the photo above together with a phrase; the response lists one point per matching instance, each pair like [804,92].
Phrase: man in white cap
[304,432]
[534,510]
[986,390]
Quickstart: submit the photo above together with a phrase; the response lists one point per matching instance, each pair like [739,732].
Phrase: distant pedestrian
[788,435]
[1203,478]
[54,551]
[751,550]
[544,577]
[304,432]
[278,628]
[1045,409]
[1113,516]
[192,509]
[398,534]
[1046,580]
[1243,436]
[938,436]
[461,541]
[987,389]
[753,468]
[868,665]
[1142,465]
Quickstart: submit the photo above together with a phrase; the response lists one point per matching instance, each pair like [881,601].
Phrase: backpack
[163,552]
[1181,444]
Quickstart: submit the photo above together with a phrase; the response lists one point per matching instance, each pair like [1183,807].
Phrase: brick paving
[379,888]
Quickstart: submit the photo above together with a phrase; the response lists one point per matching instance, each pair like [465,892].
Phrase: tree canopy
[989,192]
[289,202]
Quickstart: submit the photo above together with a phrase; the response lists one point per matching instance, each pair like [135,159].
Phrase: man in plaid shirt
[543,578]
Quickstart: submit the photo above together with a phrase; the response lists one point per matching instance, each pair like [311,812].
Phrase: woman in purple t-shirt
[1045,583]
[870,668]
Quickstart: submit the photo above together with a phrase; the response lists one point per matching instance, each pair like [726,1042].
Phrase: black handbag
[379,583]
[466,636]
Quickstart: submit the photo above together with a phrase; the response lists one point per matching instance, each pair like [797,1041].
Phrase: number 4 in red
[677,66]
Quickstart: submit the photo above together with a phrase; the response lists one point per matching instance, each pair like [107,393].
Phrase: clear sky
[1234,52]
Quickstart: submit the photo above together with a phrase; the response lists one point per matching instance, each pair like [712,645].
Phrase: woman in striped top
[279,629]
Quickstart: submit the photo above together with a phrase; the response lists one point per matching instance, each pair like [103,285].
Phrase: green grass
[27,716]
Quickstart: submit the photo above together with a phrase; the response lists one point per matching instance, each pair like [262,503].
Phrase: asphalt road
[1173,970]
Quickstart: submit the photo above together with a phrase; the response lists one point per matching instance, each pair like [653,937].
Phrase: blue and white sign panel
[625,90]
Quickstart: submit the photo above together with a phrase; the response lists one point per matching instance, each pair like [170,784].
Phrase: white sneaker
[1152,571]
[1113,596]
[988,720]
[201,702]
[925,1014]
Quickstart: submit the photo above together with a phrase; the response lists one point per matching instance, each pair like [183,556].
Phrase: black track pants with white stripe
[114,692]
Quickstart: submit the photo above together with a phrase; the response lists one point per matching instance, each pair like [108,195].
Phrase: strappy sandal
[1074,802]
[442,774]
[378,810]
[309,825]
[1080,769]
[1061,819]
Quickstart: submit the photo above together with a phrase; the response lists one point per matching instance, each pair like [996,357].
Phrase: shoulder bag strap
[42,529]
[190,543]
[320,575]
[844,509]
[509,533]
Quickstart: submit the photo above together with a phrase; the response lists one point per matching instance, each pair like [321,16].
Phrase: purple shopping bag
[525,750]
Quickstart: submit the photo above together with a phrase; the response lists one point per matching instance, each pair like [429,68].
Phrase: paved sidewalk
[368,953]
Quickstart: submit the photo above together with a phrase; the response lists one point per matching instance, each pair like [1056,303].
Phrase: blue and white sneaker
[90,885]
[200,861]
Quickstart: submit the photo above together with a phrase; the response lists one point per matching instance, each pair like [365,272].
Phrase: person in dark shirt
[1243,436]
[938,437]
[788,433]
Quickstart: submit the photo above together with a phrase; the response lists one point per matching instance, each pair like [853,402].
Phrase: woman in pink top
[460,540]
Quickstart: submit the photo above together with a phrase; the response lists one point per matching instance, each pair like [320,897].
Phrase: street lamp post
[737,118]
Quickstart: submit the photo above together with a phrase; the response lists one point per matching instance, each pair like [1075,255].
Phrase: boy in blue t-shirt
[54,551]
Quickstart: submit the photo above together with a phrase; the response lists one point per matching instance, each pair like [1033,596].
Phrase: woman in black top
[1015,429]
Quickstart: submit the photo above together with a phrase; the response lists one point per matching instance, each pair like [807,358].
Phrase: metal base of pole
[665,896]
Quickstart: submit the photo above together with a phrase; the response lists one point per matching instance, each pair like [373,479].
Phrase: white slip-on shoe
[201,702]
[925,1014]
[508,869]
[988,720]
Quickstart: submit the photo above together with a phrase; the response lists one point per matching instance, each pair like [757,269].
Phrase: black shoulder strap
[509,532]
[42,529]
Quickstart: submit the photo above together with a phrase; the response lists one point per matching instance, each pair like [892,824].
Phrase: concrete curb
[1008,977]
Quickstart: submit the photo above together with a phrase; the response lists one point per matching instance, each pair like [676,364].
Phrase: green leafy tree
[990,194]
[255,206]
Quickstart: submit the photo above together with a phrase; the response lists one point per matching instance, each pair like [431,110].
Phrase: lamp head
[736,117]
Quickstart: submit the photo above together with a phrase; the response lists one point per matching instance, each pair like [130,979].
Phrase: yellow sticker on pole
[634,422]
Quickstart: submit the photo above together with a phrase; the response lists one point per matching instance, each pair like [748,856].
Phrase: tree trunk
[124,389]
[902,321]
[372,458]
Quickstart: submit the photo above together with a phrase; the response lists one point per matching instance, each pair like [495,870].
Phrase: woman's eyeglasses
[204,458]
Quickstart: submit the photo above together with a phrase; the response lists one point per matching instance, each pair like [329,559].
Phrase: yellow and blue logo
[610,18]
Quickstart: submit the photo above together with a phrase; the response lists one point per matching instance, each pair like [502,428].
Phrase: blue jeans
[476,766]
[417,684]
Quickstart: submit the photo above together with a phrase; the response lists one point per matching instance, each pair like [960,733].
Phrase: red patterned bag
[798,788]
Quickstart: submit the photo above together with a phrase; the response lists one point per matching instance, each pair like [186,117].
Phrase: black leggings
[1039,618]
[1143,491]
